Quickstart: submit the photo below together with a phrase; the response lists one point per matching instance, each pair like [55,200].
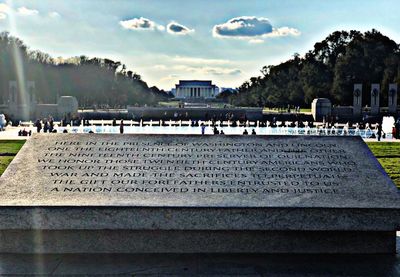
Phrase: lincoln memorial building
[195,89]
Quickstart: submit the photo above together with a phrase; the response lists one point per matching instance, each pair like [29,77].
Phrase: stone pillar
[31,87]
[12,92]
[392,98]
[375,91]
[19,101]
[357,99]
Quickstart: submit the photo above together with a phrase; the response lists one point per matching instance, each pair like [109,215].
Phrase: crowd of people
[47,125]
[221,131]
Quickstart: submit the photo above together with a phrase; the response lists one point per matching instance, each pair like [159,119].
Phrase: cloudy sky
[227,41]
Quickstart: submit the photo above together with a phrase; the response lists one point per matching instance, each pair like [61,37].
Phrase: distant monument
[195,89]
[22,99]
[392,98]
[357,99]
[375,93]
[22,104]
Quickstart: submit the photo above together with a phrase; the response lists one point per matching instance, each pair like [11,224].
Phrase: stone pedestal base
[148,241]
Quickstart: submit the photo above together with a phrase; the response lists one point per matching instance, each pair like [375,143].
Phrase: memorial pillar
[357,99]
[375,91]
[12,92]
[392,98]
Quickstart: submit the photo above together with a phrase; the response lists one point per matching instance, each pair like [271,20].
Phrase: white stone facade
[195,89]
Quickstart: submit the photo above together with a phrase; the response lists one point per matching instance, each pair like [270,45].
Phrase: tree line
[329,70]
[93,81]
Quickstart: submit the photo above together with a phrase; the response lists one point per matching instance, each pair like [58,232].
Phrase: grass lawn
[388,155]
[8,149]
[169,104]
[10,146]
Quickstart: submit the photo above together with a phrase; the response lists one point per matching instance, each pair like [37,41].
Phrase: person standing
[379,131]
[51,125]
[121,127]
[216,132]
[38,126]
[203,128]
[45,126]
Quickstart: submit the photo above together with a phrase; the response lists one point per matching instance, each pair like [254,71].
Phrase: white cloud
[4,10]
[251,28]
[27,12]
[160,67]
[207,70]
[243,26]
[193,60]
[283,32]
[256,41]
[54,14]
[141,24]
[219,71]
[170,77]
[178,29]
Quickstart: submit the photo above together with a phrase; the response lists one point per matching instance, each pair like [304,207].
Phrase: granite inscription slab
[191,184]
[216,171]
